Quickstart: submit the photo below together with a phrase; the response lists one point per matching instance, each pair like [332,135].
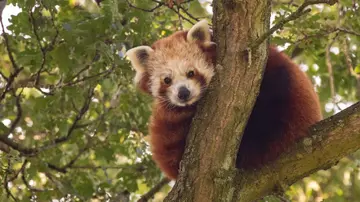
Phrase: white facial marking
[190,84]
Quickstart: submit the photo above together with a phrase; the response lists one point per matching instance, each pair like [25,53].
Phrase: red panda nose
[184,93]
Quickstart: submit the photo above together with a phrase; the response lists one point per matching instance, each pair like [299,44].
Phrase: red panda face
[177,69]
[180,82]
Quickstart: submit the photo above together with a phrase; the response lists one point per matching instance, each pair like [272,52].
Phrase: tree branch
[146,10]
[23,150]
[64,168]
[348,31]
[43,49]
[73,126]
[345,49]
[33,151]
[3,76]
[7,44]
[6,184]
[9,83]
[4,137]
[188,13]
[92,167]
[16,68]
[18,172]
[150,194]
[18,113]
[328,141]
[293,16]
[23,178]
[182,16]
[330,67]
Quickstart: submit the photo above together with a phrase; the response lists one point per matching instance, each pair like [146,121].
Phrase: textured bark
[210,156]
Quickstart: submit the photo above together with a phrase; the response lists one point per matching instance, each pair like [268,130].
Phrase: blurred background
[77,125]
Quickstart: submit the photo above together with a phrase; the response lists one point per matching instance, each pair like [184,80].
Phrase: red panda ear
[139,57]
[199,32]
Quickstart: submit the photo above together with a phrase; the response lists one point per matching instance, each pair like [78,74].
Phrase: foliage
[74,127]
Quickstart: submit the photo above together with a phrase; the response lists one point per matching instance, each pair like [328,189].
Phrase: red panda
[177,70]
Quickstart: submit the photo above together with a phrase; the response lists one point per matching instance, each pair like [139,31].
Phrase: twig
[18,114]
[53,179]
[103,73]
[3,76]
[187,13]
[182,16]
[347,31]
[4,137]
[7,44]
[95,59]
[154,190]
[81,152]
[350,66]
[33,151]
[188,1]
[330,67]
[4,147]
[293,16]
[6,185]
[176,11]
[91,167]
[16,146]
[78,117]
[9,82]
[52,44]
[180,21]
[54,167]
[13,75]
[289,3]
[18,172]
[64,168]
[23,178]
[348,60]
[35,32]
[43,92]
[43,50]
[146,10]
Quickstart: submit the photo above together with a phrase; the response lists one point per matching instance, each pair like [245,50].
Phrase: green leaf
[83,185]
[357,69]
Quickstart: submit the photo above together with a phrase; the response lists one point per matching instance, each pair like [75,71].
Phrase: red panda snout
[183,94]
[184,91]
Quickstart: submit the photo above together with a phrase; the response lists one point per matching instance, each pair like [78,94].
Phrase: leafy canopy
[73,126]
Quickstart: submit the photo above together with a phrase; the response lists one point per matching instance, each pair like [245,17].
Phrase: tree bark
[214,139]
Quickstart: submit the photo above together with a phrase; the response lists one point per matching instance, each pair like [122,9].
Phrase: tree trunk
[214,139]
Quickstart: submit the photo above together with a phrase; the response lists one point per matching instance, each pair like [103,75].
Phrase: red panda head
[176,69]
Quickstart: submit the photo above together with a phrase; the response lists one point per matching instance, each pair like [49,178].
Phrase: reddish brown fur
[283,112]
[144,83]
[168,130]
[287,105]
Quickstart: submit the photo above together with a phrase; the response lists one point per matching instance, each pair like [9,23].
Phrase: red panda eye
[190,74]
[167,80]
